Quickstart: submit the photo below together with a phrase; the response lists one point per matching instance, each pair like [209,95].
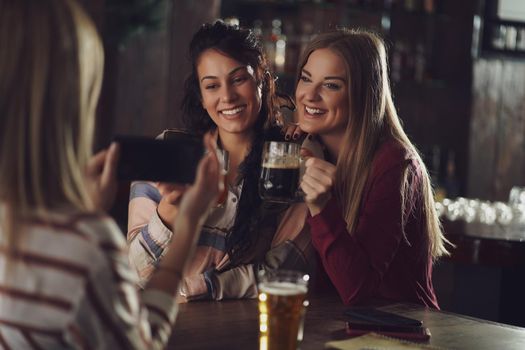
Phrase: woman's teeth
[232,111]
[314,110]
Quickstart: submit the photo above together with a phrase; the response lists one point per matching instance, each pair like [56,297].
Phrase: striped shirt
[70,286]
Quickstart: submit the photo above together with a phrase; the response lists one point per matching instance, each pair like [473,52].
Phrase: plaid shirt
[284,242]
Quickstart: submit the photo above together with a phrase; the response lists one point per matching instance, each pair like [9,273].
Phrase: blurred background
[457,69]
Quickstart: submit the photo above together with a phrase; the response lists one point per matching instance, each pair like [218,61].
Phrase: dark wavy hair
[240,44]
[243,46]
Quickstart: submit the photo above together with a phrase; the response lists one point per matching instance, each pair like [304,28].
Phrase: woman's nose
[312,93]
[228,94]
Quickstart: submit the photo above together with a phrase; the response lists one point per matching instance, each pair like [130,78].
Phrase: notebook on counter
[374,341]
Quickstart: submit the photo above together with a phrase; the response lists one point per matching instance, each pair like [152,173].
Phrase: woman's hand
[101,177]
[194,205]
[202,195]
[291,131]
[169,204]
[317,183]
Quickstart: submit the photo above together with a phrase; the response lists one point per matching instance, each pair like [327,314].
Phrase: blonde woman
[65,281]
[372,216]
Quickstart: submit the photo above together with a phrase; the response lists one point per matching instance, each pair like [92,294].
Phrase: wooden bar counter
[234,325]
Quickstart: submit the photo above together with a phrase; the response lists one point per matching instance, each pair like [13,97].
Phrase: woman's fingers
[169,189]
[291,132]
[96,163]
[310,191]
[202,195]
[321,185]
[297,133]
[109,172]
[173,197]
[212,168]
[319,175]
[320,164]
[320,170]
[317,183]
[101,177]
[207,182]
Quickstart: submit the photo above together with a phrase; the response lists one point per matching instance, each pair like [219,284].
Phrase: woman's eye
[238,80]
[211,86]
[304,79]
[332,86]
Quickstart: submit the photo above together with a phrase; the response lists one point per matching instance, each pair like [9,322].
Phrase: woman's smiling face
[229,91]
[322,94]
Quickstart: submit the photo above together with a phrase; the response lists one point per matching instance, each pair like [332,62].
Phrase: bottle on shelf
[451,181]
[420,63]
[520,40]
[293,48]
[498,36]
[510,38]
[429,6]
[398,54]
[440,191]
[388,4]
[279,41]
[411,5]
[257,27]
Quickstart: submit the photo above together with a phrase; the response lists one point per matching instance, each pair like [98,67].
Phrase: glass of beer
[282,305]
[279,180]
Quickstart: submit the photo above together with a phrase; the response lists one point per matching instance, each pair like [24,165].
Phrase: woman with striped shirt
[65,280]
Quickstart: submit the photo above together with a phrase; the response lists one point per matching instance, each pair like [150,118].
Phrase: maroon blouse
[378,260]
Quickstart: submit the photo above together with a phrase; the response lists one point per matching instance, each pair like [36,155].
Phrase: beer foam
[281,165]
[282,288]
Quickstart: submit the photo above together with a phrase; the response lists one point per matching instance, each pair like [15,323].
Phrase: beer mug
[282,305]
[280,171]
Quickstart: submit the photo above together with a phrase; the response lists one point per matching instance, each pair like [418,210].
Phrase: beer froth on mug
[280,170]
[282,305]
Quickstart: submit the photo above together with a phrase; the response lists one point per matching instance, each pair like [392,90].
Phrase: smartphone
[361,320]
[409,333]
[172,159]
[378,317]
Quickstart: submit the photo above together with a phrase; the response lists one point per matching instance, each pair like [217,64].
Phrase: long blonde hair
[51,61]
[372,117]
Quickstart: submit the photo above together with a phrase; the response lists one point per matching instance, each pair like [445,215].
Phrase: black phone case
[174,159]
[409,333]
[374,316]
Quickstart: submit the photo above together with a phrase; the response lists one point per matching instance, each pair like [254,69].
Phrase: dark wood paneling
[151,71]
[142,80]
[497,130]
[186,18]
[146,82]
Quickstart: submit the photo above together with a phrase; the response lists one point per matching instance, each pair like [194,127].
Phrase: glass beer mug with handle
[280,171]
[282,305]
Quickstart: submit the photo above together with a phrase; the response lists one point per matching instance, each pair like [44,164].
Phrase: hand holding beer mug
[282,305]
[279,180]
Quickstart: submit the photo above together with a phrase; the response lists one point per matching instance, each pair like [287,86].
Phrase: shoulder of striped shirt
[97,228]
[98,231]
